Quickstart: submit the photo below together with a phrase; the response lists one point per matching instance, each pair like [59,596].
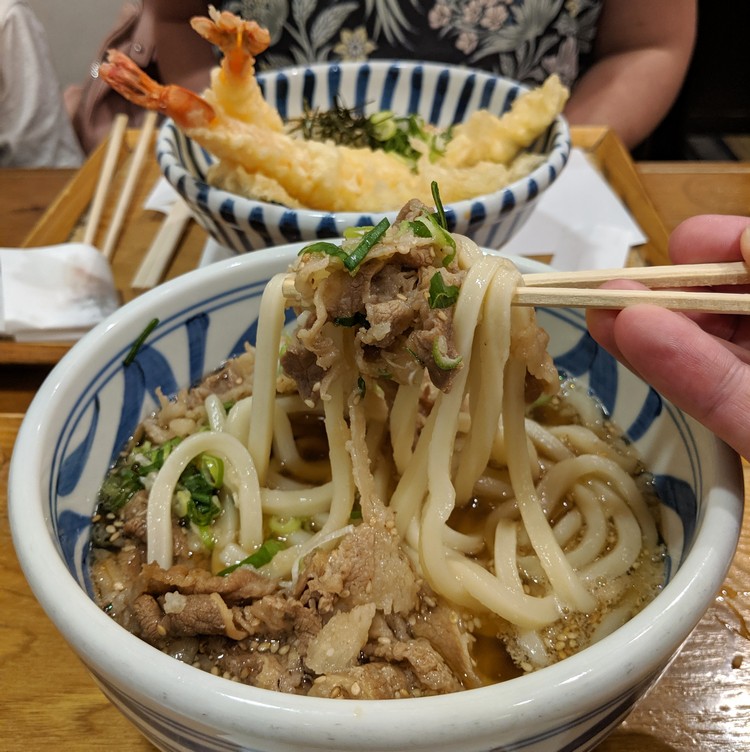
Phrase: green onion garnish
[268,549]
[441,357]
[355,258]
[350,260]
[328,248]
[420,229]
[442,295]
[130,357]
[439,205]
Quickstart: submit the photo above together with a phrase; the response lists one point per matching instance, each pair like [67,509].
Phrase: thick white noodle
[215,412]
[270,326]
[562,577]
[586,441]
[441,495]
[238,419]
[403,419]
[492,345]
[297,502]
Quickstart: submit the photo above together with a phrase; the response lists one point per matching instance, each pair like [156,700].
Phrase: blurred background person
[35,130]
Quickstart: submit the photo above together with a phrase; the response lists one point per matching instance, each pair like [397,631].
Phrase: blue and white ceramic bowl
[442,94]
[89,406]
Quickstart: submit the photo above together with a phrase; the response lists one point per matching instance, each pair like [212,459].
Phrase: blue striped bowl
[91,403]
[441,94]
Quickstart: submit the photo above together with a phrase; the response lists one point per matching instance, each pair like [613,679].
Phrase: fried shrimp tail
[185,107]
[234,88]
[240,41]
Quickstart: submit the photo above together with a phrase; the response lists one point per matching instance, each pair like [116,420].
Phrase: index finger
[710,237]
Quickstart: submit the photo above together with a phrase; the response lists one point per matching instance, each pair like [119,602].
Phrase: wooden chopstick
[679,275]
[676,300]
[163,246]
[139,156]
[114,144]
[575,289]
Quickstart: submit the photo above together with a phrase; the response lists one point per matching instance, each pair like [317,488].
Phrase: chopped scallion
[442,295]
[136,346]
[351,260]
[268,549]
[328,248]
[355,258]
[440,355]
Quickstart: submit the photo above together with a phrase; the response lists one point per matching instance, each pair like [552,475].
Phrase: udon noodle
[398,497]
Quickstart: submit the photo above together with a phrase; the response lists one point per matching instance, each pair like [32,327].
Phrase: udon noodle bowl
[391,494]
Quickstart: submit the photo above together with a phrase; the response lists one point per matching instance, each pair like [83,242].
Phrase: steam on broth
[397,498]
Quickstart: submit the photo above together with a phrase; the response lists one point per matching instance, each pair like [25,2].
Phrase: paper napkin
[54,292]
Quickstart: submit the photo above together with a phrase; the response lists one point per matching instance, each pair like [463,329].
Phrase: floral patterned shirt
[522,39]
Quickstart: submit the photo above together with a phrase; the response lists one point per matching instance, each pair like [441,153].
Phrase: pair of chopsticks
[157,258]
[579,289]
[114,145]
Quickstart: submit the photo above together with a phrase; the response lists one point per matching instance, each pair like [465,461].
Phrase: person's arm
[700,362]
[182,56]
[642,53]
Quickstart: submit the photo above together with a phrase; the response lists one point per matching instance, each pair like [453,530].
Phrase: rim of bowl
[643,644]
[544,175]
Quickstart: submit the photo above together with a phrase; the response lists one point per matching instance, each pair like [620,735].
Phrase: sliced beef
[368,566]
[443,628]
[300,364]
[193,615]
[428,666]
[372,681]
[240,586]
[386,300]
[278,616]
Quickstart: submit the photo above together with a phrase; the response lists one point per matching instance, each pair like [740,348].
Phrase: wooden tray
[64,221]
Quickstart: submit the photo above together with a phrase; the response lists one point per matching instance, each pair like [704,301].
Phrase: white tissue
[54,292]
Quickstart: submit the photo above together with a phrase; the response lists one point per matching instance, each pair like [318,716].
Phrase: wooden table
[701,704]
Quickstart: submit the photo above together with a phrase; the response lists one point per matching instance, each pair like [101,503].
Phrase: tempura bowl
[89,406]
[441,94]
